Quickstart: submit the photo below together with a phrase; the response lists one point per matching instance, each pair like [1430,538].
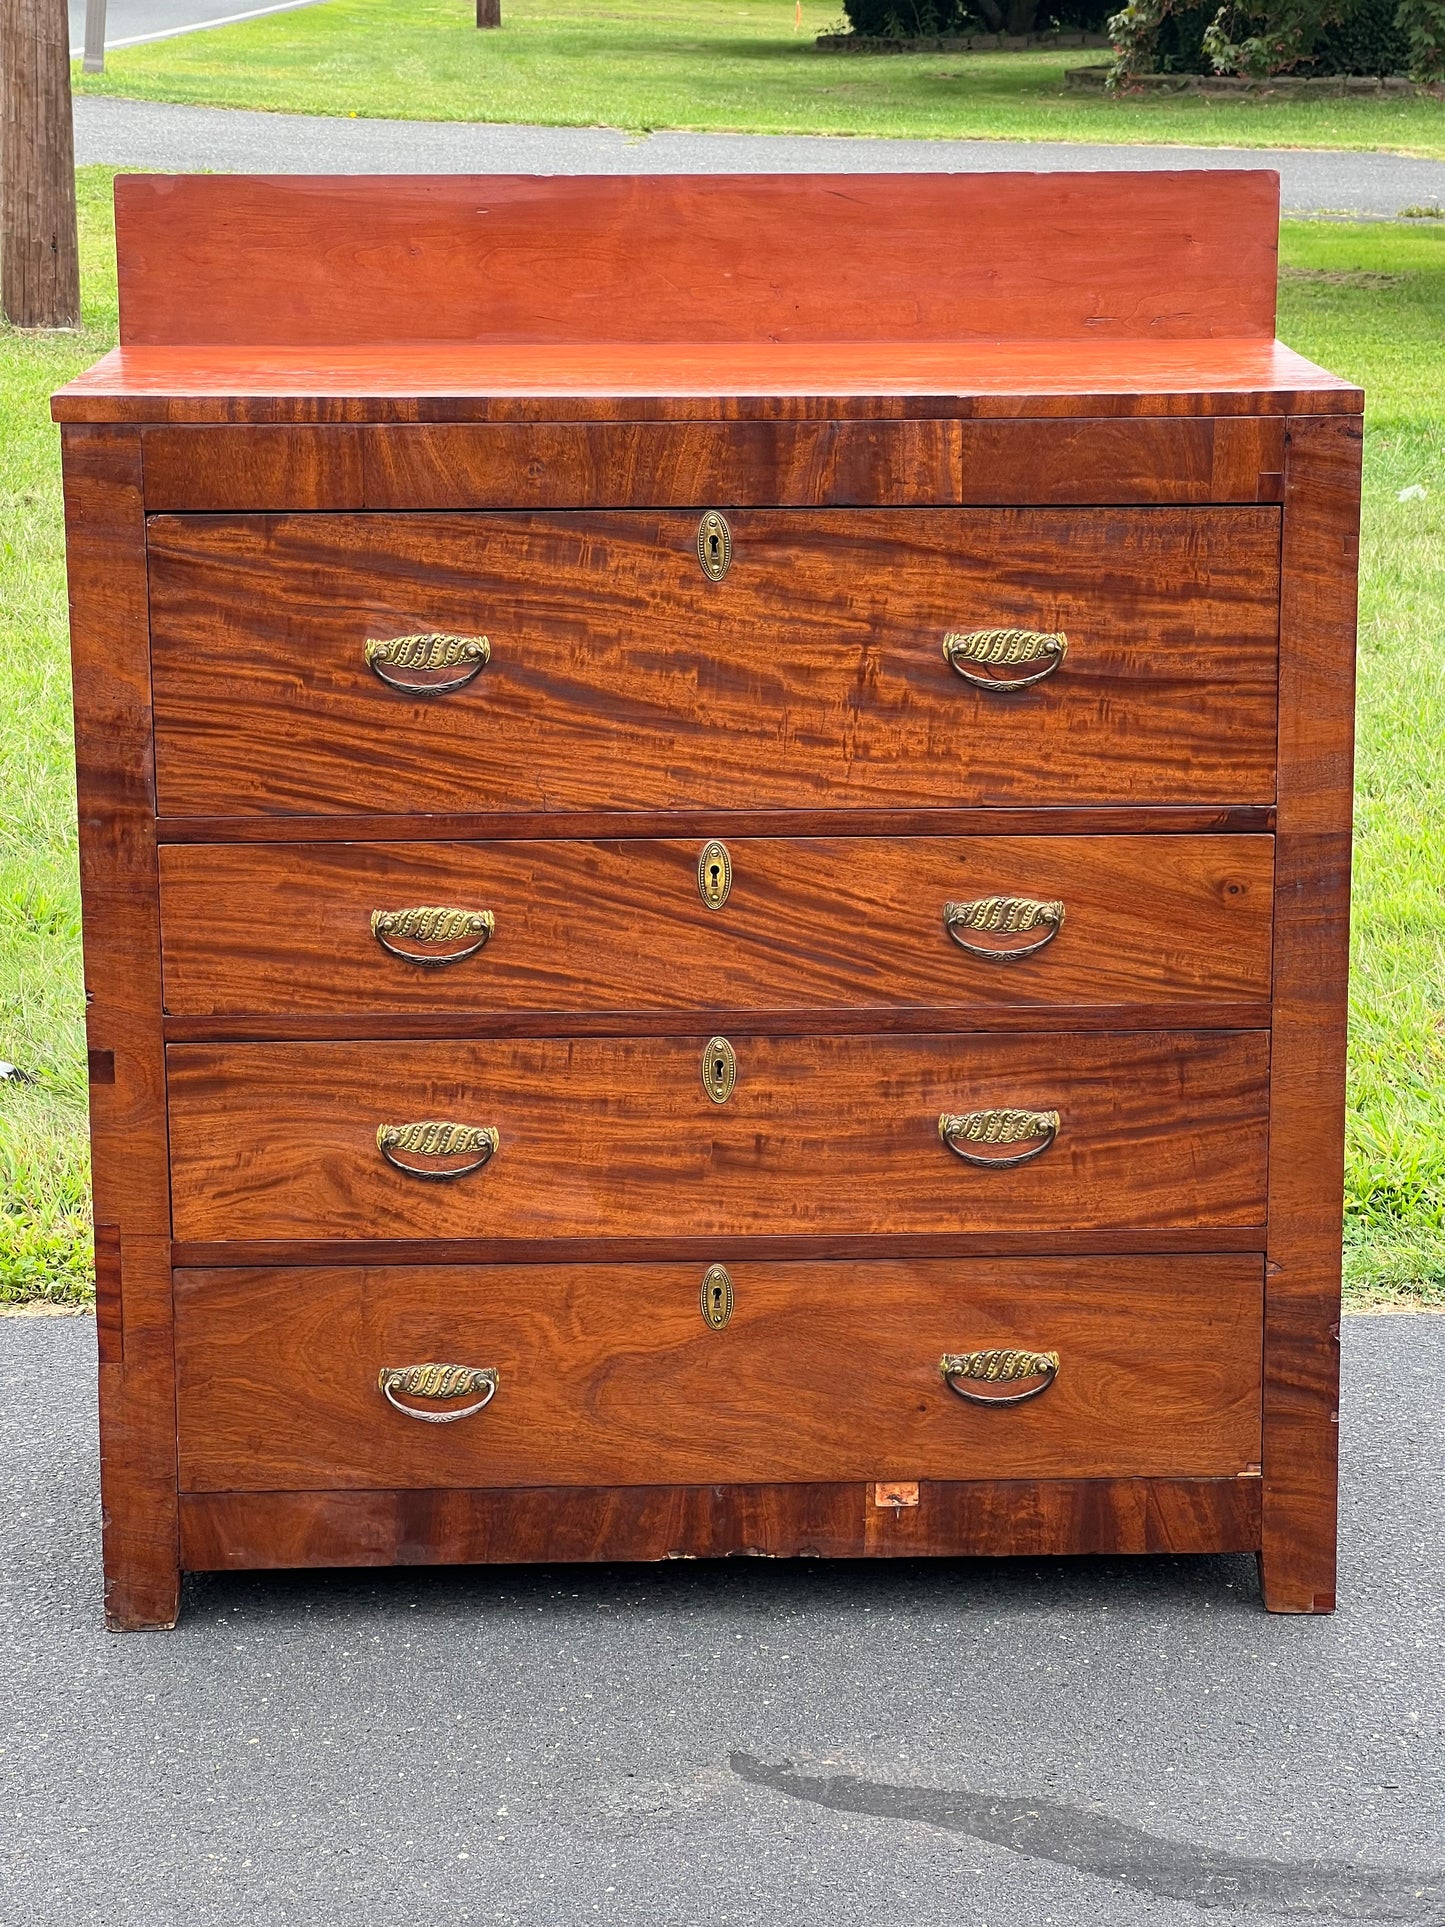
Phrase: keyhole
[719,1069]
[714,874]
[712,543]
[715,1300]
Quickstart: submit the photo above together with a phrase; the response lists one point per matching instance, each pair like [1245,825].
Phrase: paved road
[1127,1743]
[168,138]
[130,22]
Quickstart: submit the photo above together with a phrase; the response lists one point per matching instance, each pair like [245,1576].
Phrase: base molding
[241,1531]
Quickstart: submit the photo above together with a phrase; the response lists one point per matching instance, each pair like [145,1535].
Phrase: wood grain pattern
[677,258]
[616,1137]
[735,381]
[109,1307]
[810,924]
[812,675]
[1007,463]
[610,1375]
[253,468]
[662,465]
[614,825]
[1311,961]
[787,1248]
[674,465]
[1007,1518]
[105,538]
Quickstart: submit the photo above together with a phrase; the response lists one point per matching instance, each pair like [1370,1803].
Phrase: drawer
[617,1137]
[620,677]
[608,1375]
[804,923]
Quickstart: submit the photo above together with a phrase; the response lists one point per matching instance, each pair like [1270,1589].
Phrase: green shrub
[921,19]
[1267,37]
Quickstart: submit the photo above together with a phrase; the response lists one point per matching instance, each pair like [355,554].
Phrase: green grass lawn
[1369,301]
[706,64]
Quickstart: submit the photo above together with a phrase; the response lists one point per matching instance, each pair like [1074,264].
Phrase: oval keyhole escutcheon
[717,1297]
[719,1069]
[714,874]
[714,545]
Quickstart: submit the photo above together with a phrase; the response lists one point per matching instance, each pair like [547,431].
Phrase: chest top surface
[517,297]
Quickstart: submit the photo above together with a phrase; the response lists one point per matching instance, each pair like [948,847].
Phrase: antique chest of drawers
[715,826]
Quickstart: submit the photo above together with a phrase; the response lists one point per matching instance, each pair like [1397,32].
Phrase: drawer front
[803,923]
[609,1375]
[617,1137]
[621,677]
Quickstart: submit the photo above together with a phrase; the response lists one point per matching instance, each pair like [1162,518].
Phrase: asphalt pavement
[130,23]
[1123,1743]
[164,138]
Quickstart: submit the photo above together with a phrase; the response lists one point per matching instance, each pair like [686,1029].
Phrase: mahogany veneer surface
[616,1137]
[813,674]
[345,411]
[809,922]
[607,1375]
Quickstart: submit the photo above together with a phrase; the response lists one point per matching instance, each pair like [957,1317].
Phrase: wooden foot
[146,1601]
[1289,1586]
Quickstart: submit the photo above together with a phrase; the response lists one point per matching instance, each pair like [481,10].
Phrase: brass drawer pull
[1031,653]
[962,1371]
[428,665]
[457,934]
[436,1150]
[438,1381]
[984,1137]
[992,926]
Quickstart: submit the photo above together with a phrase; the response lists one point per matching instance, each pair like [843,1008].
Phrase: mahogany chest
[715,829]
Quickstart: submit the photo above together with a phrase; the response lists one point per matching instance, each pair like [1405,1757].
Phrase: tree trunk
[489,13]
[1021,15]
[39,256]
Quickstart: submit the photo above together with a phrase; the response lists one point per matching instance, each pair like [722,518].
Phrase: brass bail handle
[432,935]
[965,1372]
[438,1381]
[1003,929]
[1003,659]
[437,1150]
[989,1138]
[429,664]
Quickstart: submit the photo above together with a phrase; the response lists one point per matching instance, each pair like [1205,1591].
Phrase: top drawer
[811,676]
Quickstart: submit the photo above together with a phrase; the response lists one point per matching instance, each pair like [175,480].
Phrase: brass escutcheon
[717,1297]
[719,1069]
[714,874]
[714,545]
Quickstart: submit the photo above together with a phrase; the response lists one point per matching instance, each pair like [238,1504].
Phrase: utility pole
[39,254]
[489,13]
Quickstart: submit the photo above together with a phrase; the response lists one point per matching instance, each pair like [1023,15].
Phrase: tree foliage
[1260,38]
